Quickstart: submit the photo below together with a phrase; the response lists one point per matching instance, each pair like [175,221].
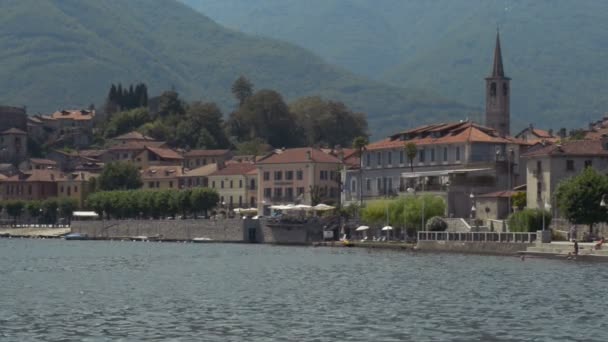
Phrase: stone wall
[223,230]
[229,230]
[473,247]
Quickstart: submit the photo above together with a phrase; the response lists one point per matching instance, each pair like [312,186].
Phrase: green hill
[555,50]
[66,53]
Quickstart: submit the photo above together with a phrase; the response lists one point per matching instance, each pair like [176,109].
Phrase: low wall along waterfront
[221,230]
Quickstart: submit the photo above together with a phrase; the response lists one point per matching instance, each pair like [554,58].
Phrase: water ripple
[126,291]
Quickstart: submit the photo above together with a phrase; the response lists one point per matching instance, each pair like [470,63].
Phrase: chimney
[551,132]
[309,155]
[531,127]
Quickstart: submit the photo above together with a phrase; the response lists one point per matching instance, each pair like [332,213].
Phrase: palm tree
[359,144]
[411,150]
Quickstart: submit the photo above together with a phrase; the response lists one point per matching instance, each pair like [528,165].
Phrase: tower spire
[497,69]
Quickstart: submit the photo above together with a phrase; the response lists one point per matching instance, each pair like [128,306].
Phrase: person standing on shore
[575,248]
[573,232]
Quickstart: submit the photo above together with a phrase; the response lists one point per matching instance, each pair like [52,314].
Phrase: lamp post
[413,192]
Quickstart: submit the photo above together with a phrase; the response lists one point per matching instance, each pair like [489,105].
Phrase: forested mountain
[555,50]
[66,53]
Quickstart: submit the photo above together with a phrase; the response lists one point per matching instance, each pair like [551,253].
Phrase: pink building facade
[298,175]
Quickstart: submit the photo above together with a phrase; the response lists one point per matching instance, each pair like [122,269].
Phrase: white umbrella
[303,206]
[278,207]
[322,207]
[387,228]
[362,228]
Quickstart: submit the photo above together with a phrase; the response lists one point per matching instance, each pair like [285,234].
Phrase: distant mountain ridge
[66,53]
[554,50]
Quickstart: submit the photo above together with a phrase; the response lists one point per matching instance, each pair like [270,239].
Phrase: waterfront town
[483,172]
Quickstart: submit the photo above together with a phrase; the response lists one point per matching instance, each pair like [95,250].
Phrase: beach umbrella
[323,207]
[303,206]
[362,228]
[387,229]
[278,207]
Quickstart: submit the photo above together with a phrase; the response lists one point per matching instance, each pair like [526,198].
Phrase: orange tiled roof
[233,169]
[136,145]
[570,148]
[202,171]
[165,153]
[73,114]
[13,131]
[43,175]
[43,161]
[298,155]
[450,133]
[162,172]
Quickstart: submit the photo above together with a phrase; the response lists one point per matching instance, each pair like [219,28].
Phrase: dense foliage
[47,211]
[579,198]
[120,99]
[152,203]
[529,220]
[48,54]
[125,122]
[405,211]
[436,224]
[119,176]
[519,200]
[447,46]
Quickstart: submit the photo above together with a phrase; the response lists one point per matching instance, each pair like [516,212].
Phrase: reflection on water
[88,290]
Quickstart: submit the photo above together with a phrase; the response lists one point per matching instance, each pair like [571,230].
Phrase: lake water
[56,290]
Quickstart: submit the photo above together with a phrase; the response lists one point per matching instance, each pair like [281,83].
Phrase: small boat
[201,240]
[139,238]
[76,236]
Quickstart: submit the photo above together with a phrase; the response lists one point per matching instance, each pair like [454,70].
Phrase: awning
[85,214]
[440,172]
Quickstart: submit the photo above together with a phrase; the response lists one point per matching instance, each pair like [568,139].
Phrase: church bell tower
[498,95]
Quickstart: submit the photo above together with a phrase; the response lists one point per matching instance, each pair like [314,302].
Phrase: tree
[254,147]
[265,115]
[410,151]
[184,202]
[359,144]
[203,199]
[579,198]
[170,104]
[67,207]
[242,89]
[124,122]
[119,176]
[14,208]
[404,212]
[327,123]
[436,224]
[33,209]
[519,200]
[528,220]
[203,127]
[49,210]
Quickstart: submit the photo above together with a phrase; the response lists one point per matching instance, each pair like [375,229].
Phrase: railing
[477,237]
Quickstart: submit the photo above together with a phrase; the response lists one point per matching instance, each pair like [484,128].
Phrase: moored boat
[76,236]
